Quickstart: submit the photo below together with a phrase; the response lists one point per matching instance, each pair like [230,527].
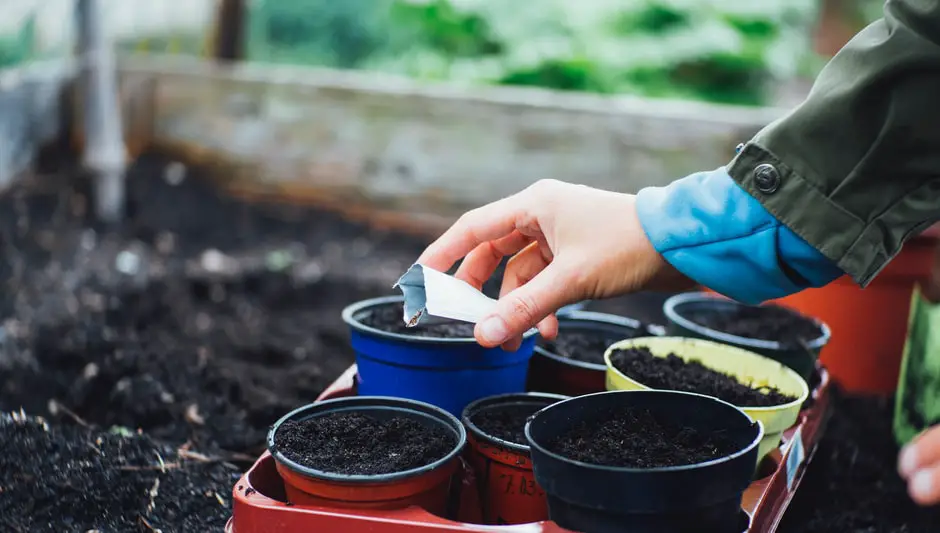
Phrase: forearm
[718,235]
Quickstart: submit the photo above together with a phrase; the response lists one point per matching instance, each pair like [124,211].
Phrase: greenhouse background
[719,50]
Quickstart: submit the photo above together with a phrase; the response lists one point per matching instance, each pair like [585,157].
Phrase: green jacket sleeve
[855,169]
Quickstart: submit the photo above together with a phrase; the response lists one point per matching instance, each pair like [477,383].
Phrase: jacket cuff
[714,232]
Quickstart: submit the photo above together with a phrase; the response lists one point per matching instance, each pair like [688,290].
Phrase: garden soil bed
[674,373]
[200,323]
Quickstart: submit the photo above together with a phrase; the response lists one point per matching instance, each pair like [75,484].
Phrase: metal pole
[105,155]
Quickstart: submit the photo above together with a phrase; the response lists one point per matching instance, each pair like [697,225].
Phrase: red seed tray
[260,505]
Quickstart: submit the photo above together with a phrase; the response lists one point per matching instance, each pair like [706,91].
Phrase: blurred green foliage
[18,48]
[715,50]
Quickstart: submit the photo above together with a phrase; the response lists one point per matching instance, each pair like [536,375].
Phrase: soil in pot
[351,443]
[505,422]
[582,345]
[766,322]
[636,438]
[673,373]
[389,318]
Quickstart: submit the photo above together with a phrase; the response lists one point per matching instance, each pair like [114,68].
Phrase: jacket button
[767,178]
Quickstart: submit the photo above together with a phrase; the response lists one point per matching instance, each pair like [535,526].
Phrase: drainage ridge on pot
[446,372]
[508,491]
[747,367]
[425,486]
[552,372]
[800,357]
[702,497]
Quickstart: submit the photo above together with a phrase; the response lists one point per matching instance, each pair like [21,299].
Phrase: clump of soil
[358,444]
[766,322]
[583,345]
[72,478]
[674,373]
[506,422]
[636,438]
[390,318]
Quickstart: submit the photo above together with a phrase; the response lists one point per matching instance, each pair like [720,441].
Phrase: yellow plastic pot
[748,367]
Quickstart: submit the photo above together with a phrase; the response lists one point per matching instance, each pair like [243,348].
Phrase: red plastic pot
[869,326]
[508,491]
[427,487]
[553,373]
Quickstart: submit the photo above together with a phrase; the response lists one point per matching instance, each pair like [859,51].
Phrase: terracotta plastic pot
[553,373]
[681,309]
[748,367]
[427,487]
[449,373]
[699,498]
[869,326]
[508,491]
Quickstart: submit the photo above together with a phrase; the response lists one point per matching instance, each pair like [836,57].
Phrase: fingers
[521,269]
[525,306]
[480,263]
[919,464]
[490,222]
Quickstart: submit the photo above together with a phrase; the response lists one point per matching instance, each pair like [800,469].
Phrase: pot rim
[598,318]
[355,403]
[660,469]
[804,389]
[672,314]
[503,399]
[349,318]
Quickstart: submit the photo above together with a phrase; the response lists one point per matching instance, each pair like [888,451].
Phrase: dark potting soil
[359,444]
[674,373]
[852,484]
[766,322]
[506,422]
[583,345]
[390,318]
[636,438]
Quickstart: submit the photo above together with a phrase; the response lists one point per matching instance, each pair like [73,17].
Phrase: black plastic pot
[553,373]
[681,309]
[699,498]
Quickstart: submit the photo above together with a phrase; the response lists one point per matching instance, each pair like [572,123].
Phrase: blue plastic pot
[448,373]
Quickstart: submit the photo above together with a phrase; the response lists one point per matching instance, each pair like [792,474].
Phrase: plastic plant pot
[554,373]
[508,492]
[747,367]
[681,308]
[427,487]
[446,372]
[870,324]
[701,498]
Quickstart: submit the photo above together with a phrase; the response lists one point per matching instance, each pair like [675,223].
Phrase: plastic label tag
[795,458]
[430,292]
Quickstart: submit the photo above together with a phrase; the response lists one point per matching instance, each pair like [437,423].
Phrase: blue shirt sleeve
[714,232]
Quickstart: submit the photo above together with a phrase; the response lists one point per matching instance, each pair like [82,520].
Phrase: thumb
[523,308]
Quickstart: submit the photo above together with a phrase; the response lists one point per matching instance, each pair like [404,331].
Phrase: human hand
[569,243]
[919,465]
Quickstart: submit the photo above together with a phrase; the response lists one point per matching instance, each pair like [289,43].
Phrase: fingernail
[907,463]
[494,330]
[922,484]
